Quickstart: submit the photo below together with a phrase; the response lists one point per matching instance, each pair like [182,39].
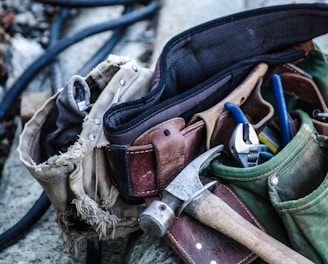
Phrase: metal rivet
[97,121]
[122,82]
[274,180]
[91,137]
[135,68]
[199,246]
[213,262]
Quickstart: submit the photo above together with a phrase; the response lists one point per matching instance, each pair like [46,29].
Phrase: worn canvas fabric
[62,148]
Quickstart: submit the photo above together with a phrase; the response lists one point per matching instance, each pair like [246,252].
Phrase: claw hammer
[186,192]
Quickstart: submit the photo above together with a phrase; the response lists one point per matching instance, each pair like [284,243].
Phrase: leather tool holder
[203,65]
[161,152]
[300,85]
[197,243]
[155,137]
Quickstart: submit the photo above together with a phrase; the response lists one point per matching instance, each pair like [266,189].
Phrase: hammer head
[187,182]
[160,215]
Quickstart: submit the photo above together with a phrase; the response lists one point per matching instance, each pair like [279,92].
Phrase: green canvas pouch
[299,193]
[302,167]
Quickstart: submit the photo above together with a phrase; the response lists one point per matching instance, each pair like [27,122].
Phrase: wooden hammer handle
[215,213]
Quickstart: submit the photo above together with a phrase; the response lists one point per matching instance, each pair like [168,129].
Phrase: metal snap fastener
[274,180]
[91,137]
[135,68]
[122,82]
[97,121]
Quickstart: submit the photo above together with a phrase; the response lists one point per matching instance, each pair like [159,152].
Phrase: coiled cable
[88,3]
[66,42]
[129,17]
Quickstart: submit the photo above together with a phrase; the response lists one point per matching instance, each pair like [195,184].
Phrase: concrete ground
[18,190]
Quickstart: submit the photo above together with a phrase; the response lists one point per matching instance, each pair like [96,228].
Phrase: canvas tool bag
[148,137]
[62,147]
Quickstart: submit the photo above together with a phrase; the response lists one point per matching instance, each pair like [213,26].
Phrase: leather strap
[239,96]
[143,177]
[169,148]
[159,154]
[190,239]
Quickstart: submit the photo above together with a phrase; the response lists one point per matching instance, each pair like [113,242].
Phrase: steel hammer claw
[187,192]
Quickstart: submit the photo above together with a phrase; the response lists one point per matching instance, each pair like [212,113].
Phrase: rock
[144,249]
[22,53]
[31,102]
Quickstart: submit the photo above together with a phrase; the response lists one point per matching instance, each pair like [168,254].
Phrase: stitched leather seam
[193,130]
[181,248]
[139,151]
[244,260]
[147,192]
[291,69]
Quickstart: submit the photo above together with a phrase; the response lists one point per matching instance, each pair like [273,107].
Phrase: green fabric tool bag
[292,183]
[298,191]
[289,192]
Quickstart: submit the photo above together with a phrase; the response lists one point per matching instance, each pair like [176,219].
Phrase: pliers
[244,143]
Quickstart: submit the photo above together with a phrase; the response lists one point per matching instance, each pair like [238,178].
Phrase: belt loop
[122,175]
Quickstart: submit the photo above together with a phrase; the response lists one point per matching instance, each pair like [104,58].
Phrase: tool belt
[184,113]
[106,158]
[182,88]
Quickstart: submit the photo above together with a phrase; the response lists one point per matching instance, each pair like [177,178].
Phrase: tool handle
[282,109]
[236,112]
[215,213]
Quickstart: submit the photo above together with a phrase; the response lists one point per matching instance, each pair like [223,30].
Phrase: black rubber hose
[13,234]
[88,3]
[42,204]
[103,52]
[106,48]
[44,59]
[54,34]
[10,236]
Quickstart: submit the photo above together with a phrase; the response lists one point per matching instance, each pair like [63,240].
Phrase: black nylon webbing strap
[194,56]
[222,51]
[120,160]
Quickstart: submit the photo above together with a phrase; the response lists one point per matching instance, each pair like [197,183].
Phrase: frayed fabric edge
[89,211]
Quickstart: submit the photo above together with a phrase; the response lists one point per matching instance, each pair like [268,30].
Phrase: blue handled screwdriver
[282,109]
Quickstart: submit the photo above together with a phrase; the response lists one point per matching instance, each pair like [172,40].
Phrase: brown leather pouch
[161,152]
[299,85]
[197,243]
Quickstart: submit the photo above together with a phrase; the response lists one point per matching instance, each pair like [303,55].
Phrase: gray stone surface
[18,190]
